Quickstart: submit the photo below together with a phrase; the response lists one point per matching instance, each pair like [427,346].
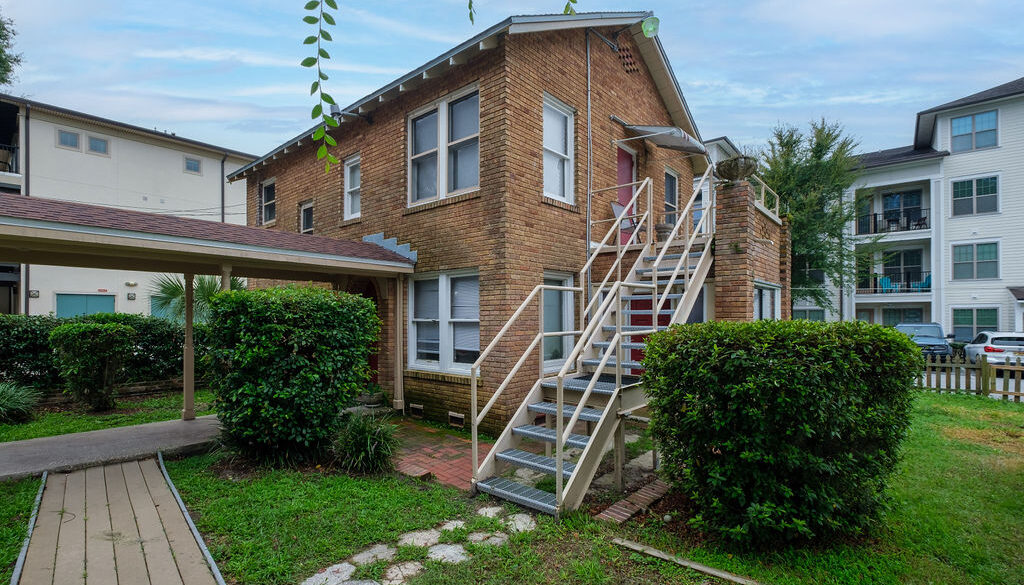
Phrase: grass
[957,514]
[16,499]
[76,419]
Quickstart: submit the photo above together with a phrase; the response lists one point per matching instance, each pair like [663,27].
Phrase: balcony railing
[8,158]
[911,281]
[898,220]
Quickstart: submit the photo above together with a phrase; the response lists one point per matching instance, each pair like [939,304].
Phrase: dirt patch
[1007,440]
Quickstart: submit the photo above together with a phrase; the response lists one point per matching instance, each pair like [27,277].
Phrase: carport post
[188,411]
[225,277]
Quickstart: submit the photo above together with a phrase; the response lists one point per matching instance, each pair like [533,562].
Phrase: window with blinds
[444,322]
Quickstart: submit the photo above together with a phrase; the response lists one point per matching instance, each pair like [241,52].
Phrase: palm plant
[168,294]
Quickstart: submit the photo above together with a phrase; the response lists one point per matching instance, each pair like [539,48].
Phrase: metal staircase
[599,384]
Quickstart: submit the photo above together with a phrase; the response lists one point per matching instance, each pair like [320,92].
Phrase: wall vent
[416,410]
[456,420]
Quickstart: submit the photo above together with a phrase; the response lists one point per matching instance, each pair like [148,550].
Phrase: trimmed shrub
[91,358]
[365,444]
[781,431]
[158,349]
[25,355]
[17,402]
[285,362]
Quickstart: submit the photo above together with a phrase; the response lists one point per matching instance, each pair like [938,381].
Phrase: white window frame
[759,289]
[184,165]
[262,205]
[78,139]
[441,107]
[974,131]
[569,112]
[568,319]
[446,360]
[974,318]
[302,217]
[807,314]
[675,175]
[88,145]
[348,189]
[974,194]
[974,261]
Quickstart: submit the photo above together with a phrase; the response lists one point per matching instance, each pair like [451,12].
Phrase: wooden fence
[957,374]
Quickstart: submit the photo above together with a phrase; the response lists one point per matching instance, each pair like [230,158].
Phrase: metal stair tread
[628,328]
[625,344]
[536,462]
[594,362]
[672,256]
[540,433]
[518,493]
[647,297]
[586,414]
[662,312]
[605,383]
[664,270]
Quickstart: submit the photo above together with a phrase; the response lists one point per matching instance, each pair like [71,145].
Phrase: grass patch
[956,513]
[16,499]
[281,526]
[133,411]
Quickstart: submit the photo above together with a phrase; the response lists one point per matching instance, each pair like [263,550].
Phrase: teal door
[72,305]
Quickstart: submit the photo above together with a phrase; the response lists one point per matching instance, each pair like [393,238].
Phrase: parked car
[928,336]
[996,346]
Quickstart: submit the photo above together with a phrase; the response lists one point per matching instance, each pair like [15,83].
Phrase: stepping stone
[377,552]
[447,553]
[420,538]
[521,523]
[361,582]
[488,538]
[452,525]
[333,575]
[491,511]
[398,574]
[631,438]
[528,476]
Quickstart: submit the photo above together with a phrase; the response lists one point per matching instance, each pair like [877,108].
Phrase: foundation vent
[416,410]
[456,420]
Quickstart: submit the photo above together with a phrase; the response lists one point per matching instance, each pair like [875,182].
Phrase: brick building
[494,167]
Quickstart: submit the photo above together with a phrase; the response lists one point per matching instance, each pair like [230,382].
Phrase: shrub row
[91,359]
[781,430]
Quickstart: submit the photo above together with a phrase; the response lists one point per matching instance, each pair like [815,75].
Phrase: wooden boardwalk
[112,525]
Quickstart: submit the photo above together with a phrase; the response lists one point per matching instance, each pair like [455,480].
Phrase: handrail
[761,198]
[612,229]
[684,256]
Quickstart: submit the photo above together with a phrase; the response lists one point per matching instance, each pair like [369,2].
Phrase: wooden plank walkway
[117,524]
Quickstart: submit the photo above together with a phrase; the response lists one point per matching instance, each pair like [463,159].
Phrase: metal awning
[670,137]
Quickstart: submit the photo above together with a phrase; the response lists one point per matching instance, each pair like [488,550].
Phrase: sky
[228,73]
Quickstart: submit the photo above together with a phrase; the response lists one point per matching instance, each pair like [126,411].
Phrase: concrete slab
[31,457]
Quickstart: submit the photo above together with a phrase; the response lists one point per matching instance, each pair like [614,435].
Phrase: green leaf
[309,40]
[323,76]
[330,121]
[318,110]
[319,133]
[326,97]
[321,152]
[310,19]
[328,19]
[332,158]
[471,12]
[323,53]
[314,87]
[330,139]
[312,4]
[308,62]
[326,35]
[331,3]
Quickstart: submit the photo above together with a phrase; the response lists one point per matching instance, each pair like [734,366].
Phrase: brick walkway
[440,453]
[640,500]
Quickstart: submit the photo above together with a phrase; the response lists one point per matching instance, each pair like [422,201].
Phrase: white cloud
[394,28]
[255,59]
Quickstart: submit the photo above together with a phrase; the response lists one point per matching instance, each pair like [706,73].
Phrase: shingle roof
[926,118]
[95,216]
[1017,292]
[902,154]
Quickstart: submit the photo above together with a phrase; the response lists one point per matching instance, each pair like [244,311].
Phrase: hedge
[91,358]
[781,431]
[285,362]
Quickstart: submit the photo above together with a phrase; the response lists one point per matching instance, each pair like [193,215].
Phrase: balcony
[908,282]
[897,220]
[9,158]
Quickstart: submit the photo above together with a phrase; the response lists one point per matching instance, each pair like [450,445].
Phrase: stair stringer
[586,467]
[508,440]
[697,278]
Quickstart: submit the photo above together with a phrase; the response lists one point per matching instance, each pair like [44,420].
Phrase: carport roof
[49,231]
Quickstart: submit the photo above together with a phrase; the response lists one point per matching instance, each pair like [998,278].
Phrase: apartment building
[56,153]
[947,214]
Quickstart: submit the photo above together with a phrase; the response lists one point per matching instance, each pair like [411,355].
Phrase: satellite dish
[649,26]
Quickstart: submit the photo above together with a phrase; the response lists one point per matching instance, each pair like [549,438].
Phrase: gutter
[222,193]
[26,279]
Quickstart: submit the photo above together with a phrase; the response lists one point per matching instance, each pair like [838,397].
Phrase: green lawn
[16,499]
[128,412]
[957,514]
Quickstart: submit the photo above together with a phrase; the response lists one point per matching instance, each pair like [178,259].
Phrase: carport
[35,230]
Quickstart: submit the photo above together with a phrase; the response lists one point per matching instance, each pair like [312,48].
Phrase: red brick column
[786,268]
[734,268]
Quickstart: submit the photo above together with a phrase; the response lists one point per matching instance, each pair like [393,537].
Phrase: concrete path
[113,525]
[77,450]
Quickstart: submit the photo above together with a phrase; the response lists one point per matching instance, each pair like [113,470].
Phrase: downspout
[26,278]
[590,177]
[222,188]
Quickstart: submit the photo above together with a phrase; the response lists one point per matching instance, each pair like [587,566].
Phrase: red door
[626,174]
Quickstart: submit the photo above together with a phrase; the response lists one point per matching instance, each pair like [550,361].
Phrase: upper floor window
[353,180]
[444,321]
[67,139]
[99,145]
[444,148]
[267,212]
[974,131]
[193,165]
[558,150]
[974,261]
[306,217]
[671,196]
[973,196]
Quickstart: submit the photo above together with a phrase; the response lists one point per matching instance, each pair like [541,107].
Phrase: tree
[8,58]
[812,172]
[168,293]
